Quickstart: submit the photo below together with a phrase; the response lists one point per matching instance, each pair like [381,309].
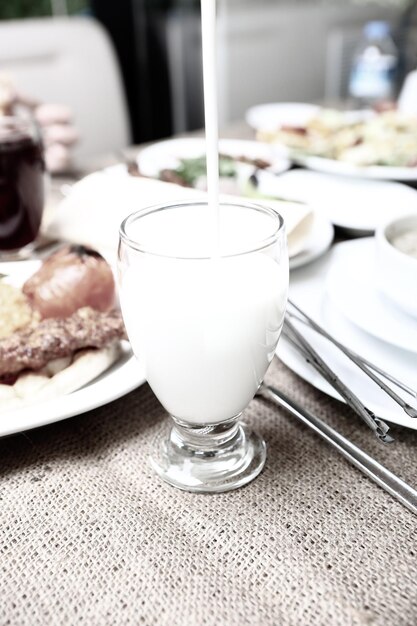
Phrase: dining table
[90,535]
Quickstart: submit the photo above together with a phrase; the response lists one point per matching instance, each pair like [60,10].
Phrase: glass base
[209,458]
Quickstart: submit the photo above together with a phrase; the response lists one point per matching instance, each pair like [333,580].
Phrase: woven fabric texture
[89,535]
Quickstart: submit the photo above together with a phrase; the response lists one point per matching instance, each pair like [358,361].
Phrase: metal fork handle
[306,320]
[382,476]
[376,424]
[411,411]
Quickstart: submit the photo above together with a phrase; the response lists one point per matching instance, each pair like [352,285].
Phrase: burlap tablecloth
[89,535]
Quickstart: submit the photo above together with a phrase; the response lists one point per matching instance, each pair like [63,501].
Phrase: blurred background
[131,69]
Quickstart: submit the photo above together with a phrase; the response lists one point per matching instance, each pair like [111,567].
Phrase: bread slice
[58,379]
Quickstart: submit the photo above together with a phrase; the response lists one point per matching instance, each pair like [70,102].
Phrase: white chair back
[70,61]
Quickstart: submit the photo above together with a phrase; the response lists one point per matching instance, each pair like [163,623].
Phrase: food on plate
[54,338]
[42,358]
[16,311]
[191,172]
[388,138]
[72,277]
[59,377]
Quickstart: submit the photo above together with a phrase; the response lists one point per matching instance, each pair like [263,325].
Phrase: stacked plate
[340,292]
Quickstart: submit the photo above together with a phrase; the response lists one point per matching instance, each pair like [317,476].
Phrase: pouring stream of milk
[208,29]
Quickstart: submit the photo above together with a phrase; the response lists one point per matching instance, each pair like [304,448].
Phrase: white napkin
[92,212]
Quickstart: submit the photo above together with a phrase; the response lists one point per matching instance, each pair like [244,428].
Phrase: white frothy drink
[205,328]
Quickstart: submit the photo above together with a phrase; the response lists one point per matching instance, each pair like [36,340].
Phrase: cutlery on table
[366,366]
[377,425]
[299,342]
[382,476]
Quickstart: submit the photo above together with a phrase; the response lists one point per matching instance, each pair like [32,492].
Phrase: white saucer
[308,291]
[351,285]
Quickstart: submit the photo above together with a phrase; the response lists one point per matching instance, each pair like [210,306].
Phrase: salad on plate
[357,138]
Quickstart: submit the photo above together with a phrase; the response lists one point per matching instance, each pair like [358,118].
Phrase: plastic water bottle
[374,68]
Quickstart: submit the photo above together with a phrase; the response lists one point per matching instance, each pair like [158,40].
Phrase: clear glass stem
[209,457]
[206,441]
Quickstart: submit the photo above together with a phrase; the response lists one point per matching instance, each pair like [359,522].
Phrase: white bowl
[397,270]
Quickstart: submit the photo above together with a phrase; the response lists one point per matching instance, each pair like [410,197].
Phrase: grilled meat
[52,338]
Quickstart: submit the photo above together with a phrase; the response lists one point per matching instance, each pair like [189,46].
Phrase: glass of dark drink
[22,170]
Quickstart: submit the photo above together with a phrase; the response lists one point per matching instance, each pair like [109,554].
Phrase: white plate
[308,291]
[121,378]
[351,285]
[269,117]
[352,203]
[318,242]
[167,154]
[371,172]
